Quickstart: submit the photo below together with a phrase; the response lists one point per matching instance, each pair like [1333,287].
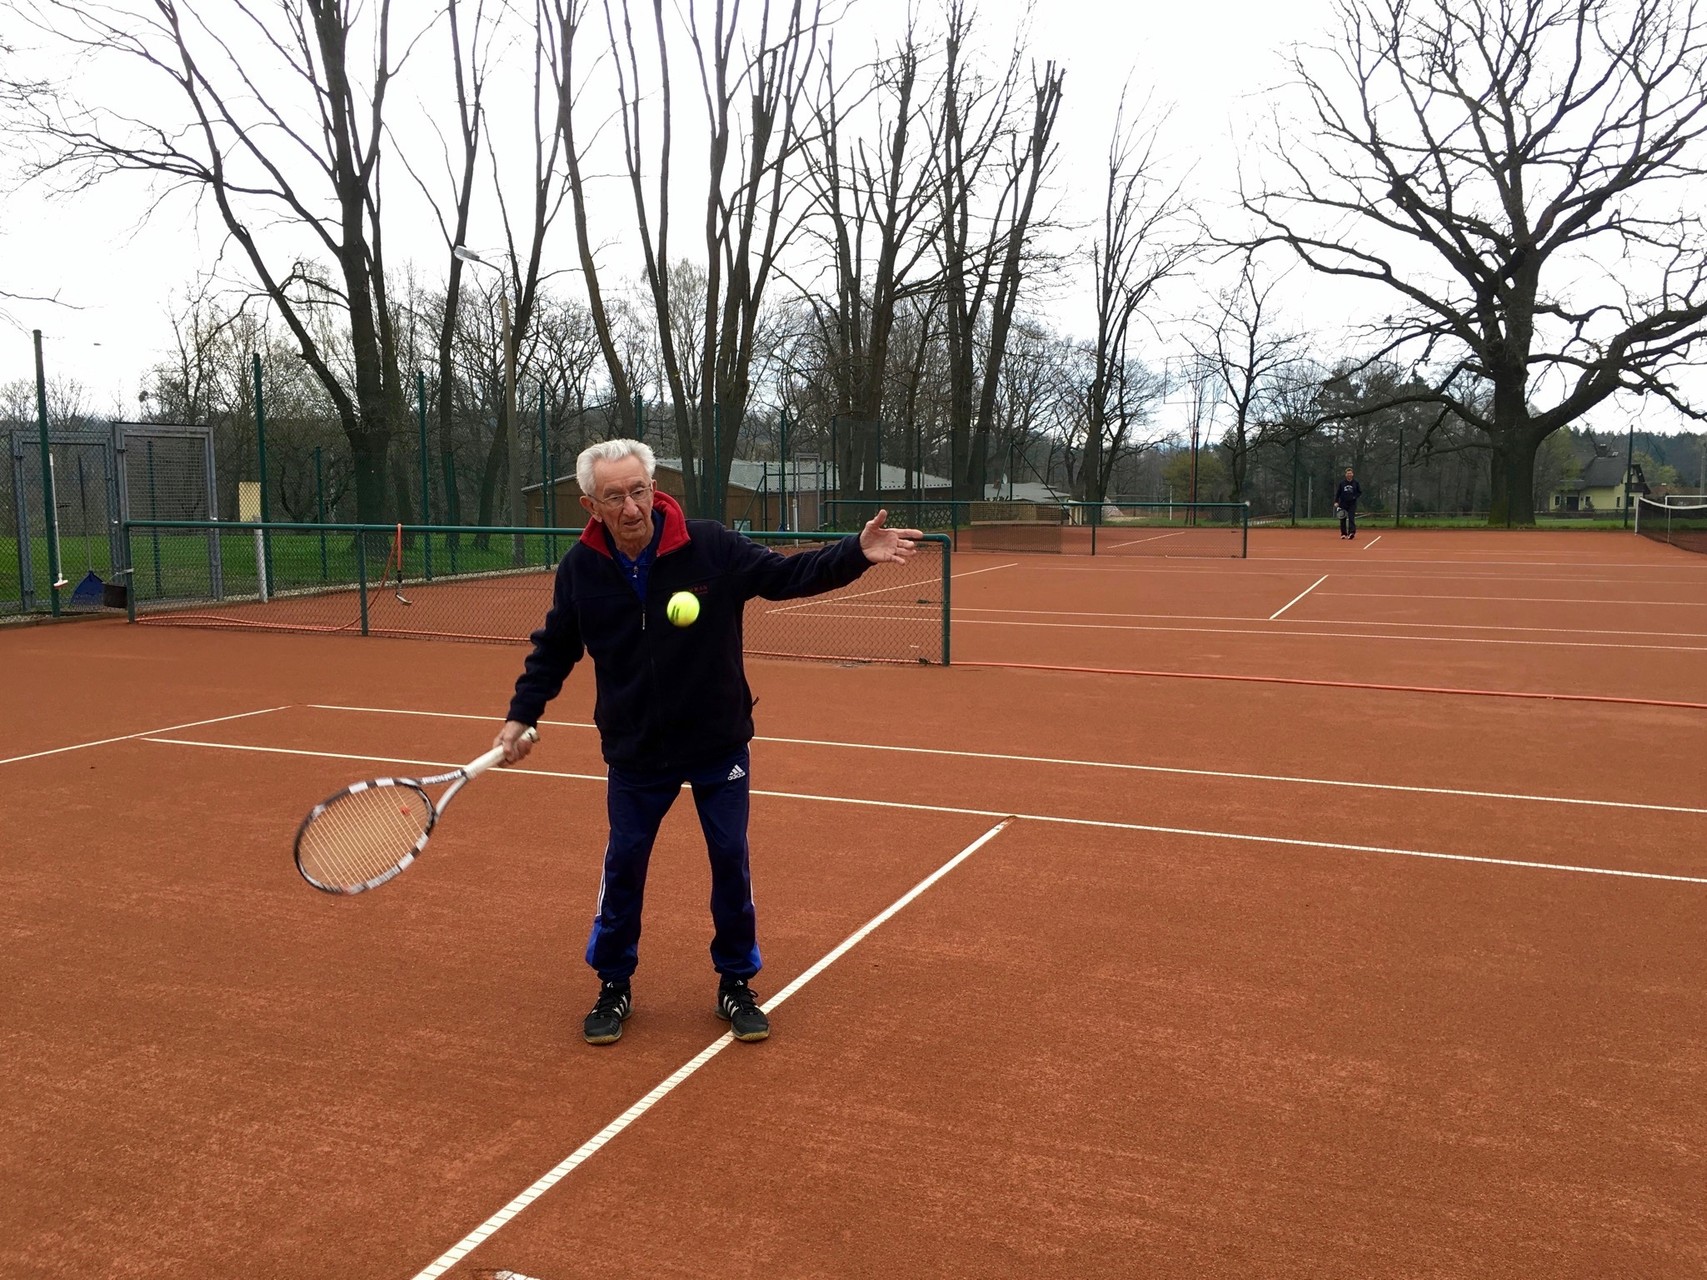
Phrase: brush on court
[396,558]
[371,831]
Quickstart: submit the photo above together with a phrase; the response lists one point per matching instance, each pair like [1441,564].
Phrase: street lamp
[517,514]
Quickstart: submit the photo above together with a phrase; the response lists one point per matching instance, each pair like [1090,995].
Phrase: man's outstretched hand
[883,545]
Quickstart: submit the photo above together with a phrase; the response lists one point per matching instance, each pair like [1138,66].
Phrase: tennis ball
[683,609]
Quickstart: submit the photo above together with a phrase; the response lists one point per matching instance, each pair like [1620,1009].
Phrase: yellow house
[1601,487]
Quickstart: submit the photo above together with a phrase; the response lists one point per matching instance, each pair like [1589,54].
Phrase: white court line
[1573,600]
[1295,599]
[1345,635]
[961,610]
[1376,539]
[474,1239]
[1254,566]
[1056,819]
[146,733]
[831,598]
[1173,770]
[1154,537]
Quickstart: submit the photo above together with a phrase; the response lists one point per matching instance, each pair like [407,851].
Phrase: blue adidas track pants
[637,803]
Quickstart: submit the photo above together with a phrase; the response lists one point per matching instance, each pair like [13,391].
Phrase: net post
[361,572]
[129,573]
[947,578]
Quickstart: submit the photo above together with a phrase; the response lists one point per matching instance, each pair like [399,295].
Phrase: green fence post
[261,452]
[782,479]
[426,490]
[547,481]
[320,510]
[639,417]
[50,509]
[1399,496]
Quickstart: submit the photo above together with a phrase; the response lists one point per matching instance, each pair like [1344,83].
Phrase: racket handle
[477,767]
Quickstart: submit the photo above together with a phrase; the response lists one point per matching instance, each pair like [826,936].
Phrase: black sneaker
[738,1005]
[604,1023]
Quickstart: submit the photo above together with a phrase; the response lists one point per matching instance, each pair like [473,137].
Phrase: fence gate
[102,475]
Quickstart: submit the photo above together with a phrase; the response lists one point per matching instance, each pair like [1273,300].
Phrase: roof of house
[1603,473]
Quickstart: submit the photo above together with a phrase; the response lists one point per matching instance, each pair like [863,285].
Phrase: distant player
[1345,499]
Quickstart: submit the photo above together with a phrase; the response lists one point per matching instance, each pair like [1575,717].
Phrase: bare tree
[1252,358]
[469,63]
[871,197]
[992,159]
[752,80]
[262,158]
[1138,247]
[1516,173]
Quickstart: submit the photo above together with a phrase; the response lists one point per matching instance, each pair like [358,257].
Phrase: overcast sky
[1208,62]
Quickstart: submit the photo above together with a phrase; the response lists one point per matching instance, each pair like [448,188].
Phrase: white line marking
[1295,599]
[832,598]
[1176,771]
[146,733]
[963,611]
[1373,541]
[1343,635]
[1099,824]
[474,1239]
[1503,599]
[1154,537]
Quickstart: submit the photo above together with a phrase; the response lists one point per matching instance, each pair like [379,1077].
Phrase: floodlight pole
[518,516]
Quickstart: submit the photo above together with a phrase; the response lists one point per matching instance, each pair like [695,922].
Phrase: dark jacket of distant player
[668,696]
[1347,494]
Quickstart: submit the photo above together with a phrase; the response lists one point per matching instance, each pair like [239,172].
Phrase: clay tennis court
[1340,911]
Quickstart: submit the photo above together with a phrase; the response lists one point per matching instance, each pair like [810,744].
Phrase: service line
[146,733]
[1295,599]
[1072,763]
[905,806]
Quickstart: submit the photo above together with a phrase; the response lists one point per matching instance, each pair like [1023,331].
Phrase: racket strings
[364,836]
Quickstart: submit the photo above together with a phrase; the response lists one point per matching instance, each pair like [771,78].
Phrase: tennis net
[485,585]
[1673,523]
[1109,528]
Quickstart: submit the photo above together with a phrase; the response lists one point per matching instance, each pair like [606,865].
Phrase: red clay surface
[1266,979]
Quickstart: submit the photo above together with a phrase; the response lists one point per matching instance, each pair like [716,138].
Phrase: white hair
[611,451]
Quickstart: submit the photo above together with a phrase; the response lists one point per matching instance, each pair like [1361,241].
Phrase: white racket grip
[477,767]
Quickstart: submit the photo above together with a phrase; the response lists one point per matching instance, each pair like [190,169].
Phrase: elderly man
[673,702]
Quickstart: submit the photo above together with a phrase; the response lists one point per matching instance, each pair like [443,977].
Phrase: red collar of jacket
[664,508]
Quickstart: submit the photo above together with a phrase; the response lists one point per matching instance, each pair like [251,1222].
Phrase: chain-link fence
[64,553]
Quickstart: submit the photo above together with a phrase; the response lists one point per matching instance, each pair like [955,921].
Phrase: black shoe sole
[750,1036]
[615,1036]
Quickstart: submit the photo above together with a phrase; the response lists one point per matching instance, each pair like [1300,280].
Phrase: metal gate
[65,558]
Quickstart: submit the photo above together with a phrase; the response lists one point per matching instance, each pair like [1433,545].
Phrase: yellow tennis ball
[683,609]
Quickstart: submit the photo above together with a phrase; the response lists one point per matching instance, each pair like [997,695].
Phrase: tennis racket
[371,831]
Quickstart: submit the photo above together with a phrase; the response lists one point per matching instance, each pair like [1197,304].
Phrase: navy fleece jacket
[668,696]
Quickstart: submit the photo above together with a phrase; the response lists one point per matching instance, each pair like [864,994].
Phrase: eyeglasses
[637,495]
